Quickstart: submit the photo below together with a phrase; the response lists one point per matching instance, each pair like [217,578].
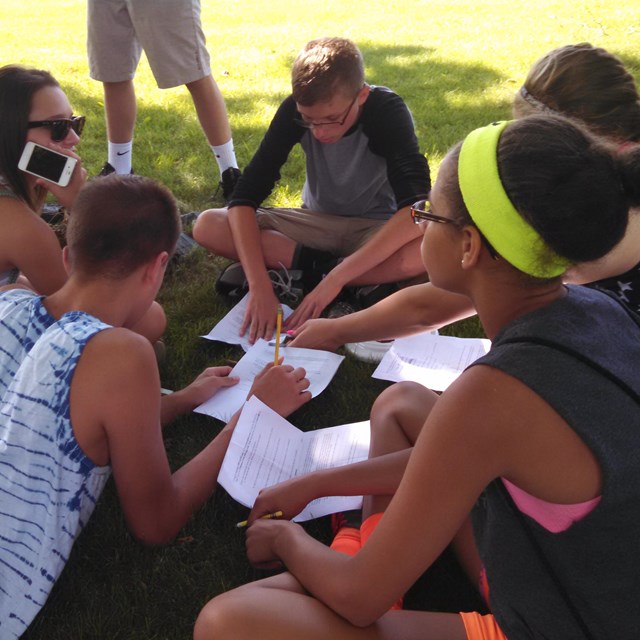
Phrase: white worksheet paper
[320,367]
[228,329]
[432,360]
[266,449]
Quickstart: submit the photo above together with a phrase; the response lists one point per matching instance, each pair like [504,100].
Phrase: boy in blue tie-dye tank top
[80,397]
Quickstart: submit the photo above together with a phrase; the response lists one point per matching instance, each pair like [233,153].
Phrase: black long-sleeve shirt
[374,170]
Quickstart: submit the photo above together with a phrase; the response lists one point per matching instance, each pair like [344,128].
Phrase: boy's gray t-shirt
[373,171]
[344,178]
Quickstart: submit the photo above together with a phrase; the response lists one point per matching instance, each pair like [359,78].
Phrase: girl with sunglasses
[537,442]
[583,82]
[33,107]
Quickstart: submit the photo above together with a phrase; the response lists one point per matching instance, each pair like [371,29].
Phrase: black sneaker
[185,245]
[232,282]
[52,213]
[369,295]
[188,219]
[341,307]
[228,182]
[286,283]
[314,263]
[108,169]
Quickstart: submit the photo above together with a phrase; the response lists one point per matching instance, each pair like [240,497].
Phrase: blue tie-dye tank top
[23,319]
[48,487]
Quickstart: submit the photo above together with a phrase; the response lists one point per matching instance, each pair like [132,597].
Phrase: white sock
[225,155]
[120,156]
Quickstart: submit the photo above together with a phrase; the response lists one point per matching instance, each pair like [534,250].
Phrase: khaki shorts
[169,31]
[340,235]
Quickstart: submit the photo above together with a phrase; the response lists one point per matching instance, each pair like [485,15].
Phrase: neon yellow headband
[492,212]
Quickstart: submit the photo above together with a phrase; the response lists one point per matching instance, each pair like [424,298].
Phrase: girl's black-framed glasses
[421,213]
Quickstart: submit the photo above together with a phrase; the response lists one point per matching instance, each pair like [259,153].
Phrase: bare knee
[153,324]
[211,230]
[397,416]
[213,620]
[226,616]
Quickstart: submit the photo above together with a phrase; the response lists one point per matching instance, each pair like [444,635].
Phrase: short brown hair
[324,67]
[120,222]
[585,83]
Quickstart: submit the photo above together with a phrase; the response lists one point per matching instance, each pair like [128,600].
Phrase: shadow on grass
[447,99]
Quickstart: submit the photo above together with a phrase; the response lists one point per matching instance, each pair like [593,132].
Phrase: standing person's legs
[211,110]
[114,52]
[120,114]
[120,110]
[212,114]
[172,37]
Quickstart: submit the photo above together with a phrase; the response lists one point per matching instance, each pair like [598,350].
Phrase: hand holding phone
[46,163]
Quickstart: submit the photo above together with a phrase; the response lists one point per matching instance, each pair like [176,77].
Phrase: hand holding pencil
[278,332]
[282,387]
[267,516]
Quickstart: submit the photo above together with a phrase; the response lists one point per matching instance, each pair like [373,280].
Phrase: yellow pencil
[268,516]
[278,330]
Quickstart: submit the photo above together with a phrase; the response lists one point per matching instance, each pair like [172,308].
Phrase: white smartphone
[46,163]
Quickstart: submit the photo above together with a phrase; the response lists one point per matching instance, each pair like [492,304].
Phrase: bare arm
[421,307]
[260,317]
[200,390]
[116,413]
[30,245]
[469,439]
[376,476]
[444,476]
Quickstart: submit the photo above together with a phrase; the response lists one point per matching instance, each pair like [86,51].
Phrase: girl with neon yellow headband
[538,440]
[583,82]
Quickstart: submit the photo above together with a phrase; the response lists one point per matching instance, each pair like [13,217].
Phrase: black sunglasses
[60,128]
[421,213]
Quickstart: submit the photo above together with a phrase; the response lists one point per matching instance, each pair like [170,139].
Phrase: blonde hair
[585,83]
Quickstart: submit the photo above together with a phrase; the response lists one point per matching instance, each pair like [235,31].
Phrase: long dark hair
[17,88]
[586,83]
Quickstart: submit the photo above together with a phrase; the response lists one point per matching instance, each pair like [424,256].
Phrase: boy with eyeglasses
[80,396]
[363,171]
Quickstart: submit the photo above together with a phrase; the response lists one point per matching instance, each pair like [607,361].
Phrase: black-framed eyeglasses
[60,127]
[421,213]
[328,123]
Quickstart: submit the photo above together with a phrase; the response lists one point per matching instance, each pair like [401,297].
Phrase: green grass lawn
[456,63]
